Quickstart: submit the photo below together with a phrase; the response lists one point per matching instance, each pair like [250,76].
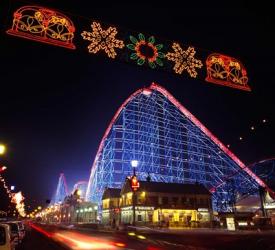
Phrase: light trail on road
[77,241]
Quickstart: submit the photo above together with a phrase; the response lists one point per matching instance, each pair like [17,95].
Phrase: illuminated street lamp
[2,149]
[134,164]
[78,192]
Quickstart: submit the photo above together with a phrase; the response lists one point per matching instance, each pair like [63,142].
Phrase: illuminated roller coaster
[170,145]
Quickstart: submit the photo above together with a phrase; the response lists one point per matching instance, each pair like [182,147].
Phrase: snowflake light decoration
[184,59]
[146,51]
[102,40]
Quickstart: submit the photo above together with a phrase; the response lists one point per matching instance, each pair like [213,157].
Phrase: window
[164,200]
[111,204]
[153,200]
[175,200]
[2,236]
[139,218]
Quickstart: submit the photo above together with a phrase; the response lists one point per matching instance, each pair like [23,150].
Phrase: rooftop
[111,193]
[173,188]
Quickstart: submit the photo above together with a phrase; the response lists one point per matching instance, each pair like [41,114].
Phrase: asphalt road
[36,241]
[52,238]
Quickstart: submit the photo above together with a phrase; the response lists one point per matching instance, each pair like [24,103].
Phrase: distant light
[240,138]
[12,188]
[228,145]
[141,237]
[120,244]
[2,149]
[78,192]
[252,128]
[3,168]
[147,92]
[95,207]
[134,163]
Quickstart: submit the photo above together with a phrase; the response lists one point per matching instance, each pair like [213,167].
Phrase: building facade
[158,204]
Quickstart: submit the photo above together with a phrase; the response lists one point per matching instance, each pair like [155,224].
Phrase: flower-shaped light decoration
[146,51]
[184,59]
[102,40]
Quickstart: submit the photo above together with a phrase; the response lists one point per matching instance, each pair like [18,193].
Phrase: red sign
[134,183]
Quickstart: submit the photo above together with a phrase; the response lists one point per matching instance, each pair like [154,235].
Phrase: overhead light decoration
[5,186]
[18,199]
[146,51]
[225,70]
[52,27]
[43,25]
[102,40]
[184,60]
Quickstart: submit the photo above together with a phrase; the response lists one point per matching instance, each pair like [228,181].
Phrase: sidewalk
[186,230]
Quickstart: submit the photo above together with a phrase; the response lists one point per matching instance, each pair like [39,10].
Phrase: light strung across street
[137,48]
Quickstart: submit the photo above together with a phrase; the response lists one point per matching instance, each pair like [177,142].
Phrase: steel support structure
[61,190]
[171,145]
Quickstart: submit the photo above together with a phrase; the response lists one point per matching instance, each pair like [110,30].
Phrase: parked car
[6,242]
[14,228]
[22,231]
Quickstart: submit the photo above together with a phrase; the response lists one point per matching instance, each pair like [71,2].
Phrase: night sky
[56,103]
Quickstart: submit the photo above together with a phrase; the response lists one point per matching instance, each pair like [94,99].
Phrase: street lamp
[134,164]
[2,149]
[134,186]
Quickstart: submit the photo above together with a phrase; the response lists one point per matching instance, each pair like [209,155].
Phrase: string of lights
[16,198]
[251,130]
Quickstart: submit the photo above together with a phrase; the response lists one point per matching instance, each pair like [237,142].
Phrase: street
[42,237]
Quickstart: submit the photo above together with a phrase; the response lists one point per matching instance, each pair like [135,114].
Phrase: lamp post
[134,186]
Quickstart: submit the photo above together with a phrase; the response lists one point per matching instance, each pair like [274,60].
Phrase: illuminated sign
[137,208]
[134,183]
[203,209]
[242,223]
[230,224]
[144,208]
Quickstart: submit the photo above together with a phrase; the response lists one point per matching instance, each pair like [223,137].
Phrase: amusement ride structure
[61,190]
[170,145]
